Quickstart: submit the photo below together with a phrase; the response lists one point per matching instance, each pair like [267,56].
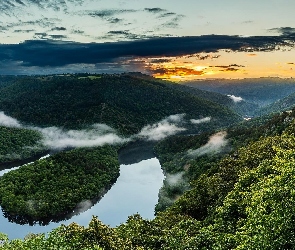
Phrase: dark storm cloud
[57,54]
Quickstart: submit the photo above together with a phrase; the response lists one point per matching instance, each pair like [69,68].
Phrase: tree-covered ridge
[18,144]
[52,187]
[178,164]
[246,202]
[283,104]
[125,102]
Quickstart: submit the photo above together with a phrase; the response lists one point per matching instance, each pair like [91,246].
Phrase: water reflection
[136,191]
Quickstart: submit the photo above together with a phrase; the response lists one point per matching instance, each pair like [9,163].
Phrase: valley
[213,160]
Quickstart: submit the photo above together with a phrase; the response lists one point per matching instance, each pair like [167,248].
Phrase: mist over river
[136,191]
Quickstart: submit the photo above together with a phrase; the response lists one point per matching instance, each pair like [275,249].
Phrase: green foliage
[173,152]
[125,102]
[247,202]
[52,187]
[239,199]
[19,144]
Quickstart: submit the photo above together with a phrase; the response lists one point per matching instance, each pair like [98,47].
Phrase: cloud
[51,53]
[227,68]
[199,121]
[8,121]
[174,179]
[58,29]
[19,2]
[287,31]
[160,60]
[235,98]
[173,23]
[114,20]
[57,138]
[107,13]
[167,14]
[97,135]
[57,36]
[23,31]
[163,129]
[178,71]
[154,10]
[215,145]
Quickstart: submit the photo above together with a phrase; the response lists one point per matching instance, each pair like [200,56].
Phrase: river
[136,191]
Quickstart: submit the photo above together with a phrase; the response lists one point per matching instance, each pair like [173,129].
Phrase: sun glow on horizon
[222,64]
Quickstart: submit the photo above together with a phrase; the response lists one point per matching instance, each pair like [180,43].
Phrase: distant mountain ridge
[285,104]
[260,91]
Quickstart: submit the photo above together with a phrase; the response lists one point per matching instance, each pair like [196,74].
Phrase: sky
[175,40]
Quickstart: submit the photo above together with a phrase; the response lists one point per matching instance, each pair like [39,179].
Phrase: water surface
[136,191]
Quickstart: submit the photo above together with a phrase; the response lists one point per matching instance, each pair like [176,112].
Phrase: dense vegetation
[19,144]
[246,201]
[240,196]
[52,187]
[125,102]
[173,152]
[286,103]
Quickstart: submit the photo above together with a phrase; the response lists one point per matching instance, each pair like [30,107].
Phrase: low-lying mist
[8,121]
[100,134]
[96,135]
[168,126]
[235,98]
[215,145]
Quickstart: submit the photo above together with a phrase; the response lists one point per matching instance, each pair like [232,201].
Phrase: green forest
[52,187]
[19,144]
[234,204]
[126,102]
[236,194]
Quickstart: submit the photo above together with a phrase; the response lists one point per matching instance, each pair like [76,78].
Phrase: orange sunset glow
[223,64]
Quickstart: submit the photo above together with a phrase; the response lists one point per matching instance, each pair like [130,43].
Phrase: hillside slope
[283,104]
[236,205]
[124,102]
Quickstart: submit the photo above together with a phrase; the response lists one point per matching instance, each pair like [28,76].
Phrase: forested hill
[284,104]
[261,91]
[243,200]
[126,102]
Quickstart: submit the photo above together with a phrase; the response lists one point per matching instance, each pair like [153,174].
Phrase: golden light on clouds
[222,64]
